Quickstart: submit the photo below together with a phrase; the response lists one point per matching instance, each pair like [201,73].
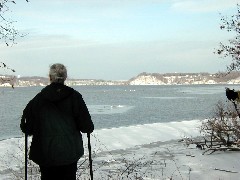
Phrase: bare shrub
[224,126]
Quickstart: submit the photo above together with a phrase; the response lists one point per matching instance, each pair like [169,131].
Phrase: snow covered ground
[150,151]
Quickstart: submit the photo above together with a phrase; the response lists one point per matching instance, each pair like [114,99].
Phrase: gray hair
[58,73]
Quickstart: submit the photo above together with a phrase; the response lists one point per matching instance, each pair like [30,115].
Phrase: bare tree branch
[232,49]
[8,32]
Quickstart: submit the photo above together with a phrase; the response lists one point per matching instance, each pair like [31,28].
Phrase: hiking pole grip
[26,151]
[90,156]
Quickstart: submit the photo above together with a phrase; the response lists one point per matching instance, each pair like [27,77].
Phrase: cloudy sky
[117,39]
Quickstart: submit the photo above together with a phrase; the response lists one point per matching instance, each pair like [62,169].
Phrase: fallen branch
[221,149]
[225,170]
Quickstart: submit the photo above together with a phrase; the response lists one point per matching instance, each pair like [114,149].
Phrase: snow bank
[12,150]
[126,137]
[153,150]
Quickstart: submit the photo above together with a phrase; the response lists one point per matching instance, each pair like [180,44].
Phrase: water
[117,106]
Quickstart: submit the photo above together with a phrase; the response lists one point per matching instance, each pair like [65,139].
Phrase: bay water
[121,106]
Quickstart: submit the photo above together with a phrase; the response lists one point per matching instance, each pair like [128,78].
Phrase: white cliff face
[234,81]
[146,80]
[5,85]
[205,82]
[170,80]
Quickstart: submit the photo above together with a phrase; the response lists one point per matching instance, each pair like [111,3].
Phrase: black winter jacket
[55,117]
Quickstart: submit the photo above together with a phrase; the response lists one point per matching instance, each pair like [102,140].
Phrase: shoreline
[186,123]
[132,85]
[167,160]
[152,160]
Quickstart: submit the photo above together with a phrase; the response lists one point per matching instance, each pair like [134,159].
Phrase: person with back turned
[55,118]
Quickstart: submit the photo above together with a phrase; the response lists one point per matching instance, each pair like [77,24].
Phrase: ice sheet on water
[170,98]
[206,90]
[108,109]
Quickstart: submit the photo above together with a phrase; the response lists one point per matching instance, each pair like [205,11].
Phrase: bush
[224,127]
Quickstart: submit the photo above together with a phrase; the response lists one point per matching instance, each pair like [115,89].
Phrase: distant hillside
[141,79]
[185,78]
[42,81]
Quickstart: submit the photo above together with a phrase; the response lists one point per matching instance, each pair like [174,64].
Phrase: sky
[117,39]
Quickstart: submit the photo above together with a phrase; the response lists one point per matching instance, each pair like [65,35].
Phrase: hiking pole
[90,156]
[26,150]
